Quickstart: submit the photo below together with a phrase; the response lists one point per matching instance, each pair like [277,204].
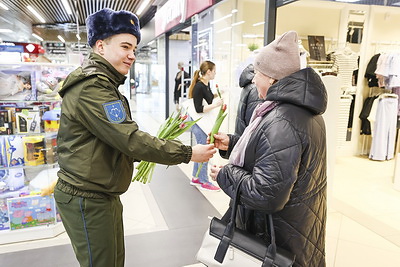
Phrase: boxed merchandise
[16,85]
[49,82]
[10,108]
[51,120]
[12,179]
[14,150]
[42,110]
[6,126]
[4,219]
[31,211]
[28,120]
[15,179]
[33,150]
[3,155]
[51,149]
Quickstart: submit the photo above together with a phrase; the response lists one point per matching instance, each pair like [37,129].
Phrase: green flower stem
[220,118]
[216,127]
[199,169]
[219,93]
[168,130]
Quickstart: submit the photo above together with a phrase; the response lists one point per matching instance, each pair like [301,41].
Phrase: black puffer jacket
[248,99]
[285,167]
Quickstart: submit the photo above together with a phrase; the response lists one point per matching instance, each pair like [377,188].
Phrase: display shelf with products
[30,110]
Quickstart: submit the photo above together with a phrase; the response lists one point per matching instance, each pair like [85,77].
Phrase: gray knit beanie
[280,58]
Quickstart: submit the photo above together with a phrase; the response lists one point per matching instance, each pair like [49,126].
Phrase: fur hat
[107,22]
[280,58]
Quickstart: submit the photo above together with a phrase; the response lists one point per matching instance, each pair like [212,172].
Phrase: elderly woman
[282,155]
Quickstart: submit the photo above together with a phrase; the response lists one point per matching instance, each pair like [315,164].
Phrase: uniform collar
[104,65]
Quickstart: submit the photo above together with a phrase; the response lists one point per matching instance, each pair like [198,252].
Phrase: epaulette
[103,77]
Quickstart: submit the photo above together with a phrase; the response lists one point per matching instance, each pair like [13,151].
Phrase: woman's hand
[214,172]
[216,103]
[221,141]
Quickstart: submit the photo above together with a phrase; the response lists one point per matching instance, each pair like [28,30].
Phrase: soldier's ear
[99,45]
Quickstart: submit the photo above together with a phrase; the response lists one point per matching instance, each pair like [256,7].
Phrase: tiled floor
[363,210]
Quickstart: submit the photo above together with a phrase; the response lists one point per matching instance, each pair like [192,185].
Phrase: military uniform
[97,144]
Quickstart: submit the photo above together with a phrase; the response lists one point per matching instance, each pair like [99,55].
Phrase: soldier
[98,142]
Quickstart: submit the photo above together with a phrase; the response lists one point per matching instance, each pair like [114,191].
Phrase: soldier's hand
[202,153]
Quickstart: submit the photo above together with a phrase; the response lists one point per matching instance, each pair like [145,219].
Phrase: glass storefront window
[148,94]
[235,32]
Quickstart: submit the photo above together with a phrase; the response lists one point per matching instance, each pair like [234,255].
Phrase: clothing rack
[366,139]
[321,66]
[388,95]
[343,118]
[378,91]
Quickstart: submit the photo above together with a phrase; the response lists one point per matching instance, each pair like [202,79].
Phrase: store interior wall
[321,21]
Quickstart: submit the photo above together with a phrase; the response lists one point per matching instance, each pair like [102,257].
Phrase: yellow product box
[34,150]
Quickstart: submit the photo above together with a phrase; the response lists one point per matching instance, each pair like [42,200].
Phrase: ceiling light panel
[37,15]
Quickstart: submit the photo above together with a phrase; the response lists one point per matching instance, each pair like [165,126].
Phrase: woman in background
[203,97]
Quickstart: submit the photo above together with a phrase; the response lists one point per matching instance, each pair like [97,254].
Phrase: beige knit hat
[280,58]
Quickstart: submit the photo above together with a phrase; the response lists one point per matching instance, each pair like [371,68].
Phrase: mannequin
[304,54]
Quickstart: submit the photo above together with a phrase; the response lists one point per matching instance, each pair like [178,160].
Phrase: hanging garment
[396,90]
[384,131]
[370,71]
[365,111]
[344,64]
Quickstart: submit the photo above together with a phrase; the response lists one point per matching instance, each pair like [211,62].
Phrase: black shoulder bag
[225,245]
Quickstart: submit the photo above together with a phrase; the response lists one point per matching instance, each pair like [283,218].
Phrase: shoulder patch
[115,111]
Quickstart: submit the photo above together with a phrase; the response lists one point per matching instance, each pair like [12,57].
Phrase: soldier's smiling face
[119,50]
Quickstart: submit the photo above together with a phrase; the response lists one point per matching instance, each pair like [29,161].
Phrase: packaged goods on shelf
[28,120]
[15,179]
[6,126]
[31,211]
[14,150]
[51,120]
[3,155]
[51,148]
[16,85]
[33,150]
[4,218]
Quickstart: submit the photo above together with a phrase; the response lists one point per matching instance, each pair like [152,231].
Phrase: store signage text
[11,48]
[26,47]
[56,48]
[169,15]
[177,11]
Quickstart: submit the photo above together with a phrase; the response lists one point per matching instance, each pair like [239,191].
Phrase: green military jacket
[98,141]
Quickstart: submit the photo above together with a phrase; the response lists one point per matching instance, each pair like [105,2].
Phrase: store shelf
[47,166]
[34,233]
